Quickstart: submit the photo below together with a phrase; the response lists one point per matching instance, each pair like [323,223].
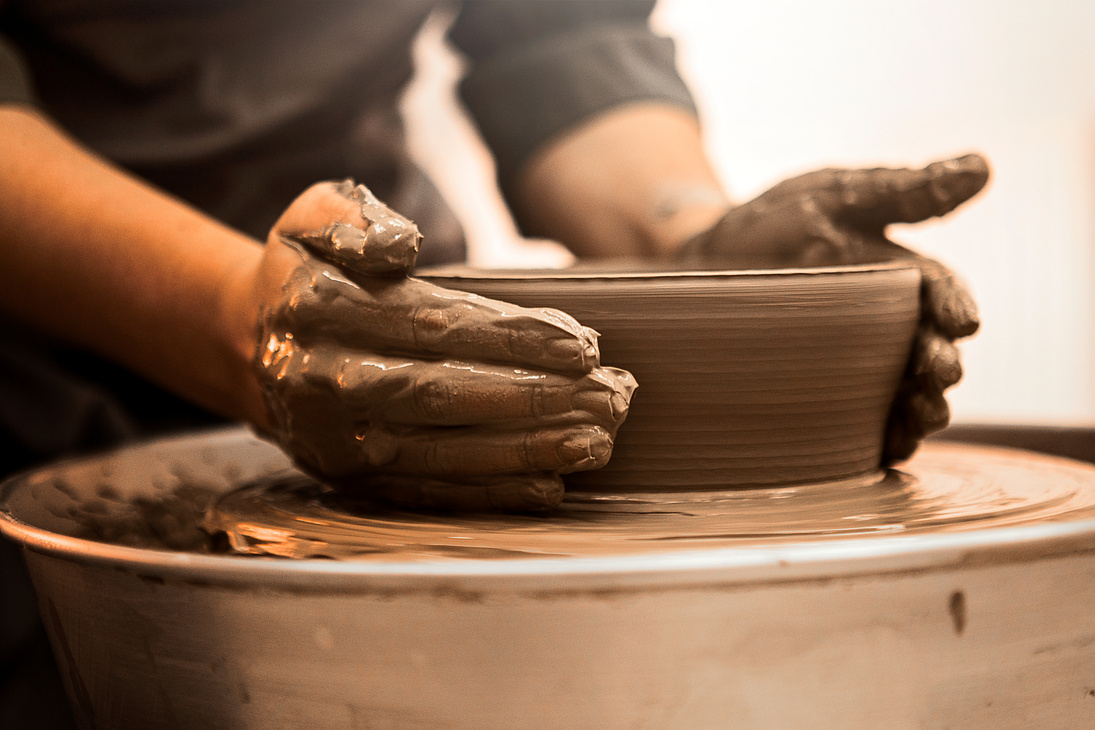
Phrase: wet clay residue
[437,398]
[946,489]
[251,500]
[169,521]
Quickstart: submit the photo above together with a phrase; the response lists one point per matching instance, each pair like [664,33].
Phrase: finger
[460,324]
[791,231]
[458,453]
[400,390]
[414,317]
[511,493]
[935,360]
[313,424]
[927,411]
[874,198]
[899,443]
[320,205]
[347,225]
[916,412]
[945,300]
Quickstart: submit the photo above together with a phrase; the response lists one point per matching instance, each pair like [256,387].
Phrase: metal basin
[979,627]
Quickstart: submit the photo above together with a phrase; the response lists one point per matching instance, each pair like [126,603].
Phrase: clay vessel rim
[595,271]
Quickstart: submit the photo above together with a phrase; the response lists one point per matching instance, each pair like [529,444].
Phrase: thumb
[874,198]
[945,299]
[347,225]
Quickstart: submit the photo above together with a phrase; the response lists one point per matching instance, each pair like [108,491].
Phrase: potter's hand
[421,395]
[831,217]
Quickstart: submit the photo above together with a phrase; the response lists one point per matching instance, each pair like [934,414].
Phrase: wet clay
[749,378]
[946,488]
[430,397]
[840,216]
[819,217]
[170,520]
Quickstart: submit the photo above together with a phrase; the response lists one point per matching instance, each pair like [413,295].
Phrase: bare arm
[632,182]
[98,258]
[635,182]
[363,376]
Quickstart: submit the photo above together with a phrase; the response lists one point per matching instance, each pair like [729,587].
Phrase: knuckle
[435,399]
[431,321]
[434,459]
[527,449]
[537,401]
[276,356]
[807,207]
[378,447]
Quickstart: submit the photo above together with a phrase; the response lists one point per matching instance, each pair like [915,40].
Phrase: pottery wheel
[946,488]
[955,592]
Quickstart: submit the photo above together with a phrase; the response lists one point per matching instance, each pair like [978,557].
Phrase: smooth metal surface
[980,628]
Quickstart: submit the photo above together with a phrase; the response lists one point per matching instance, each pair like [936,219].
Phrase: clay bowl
[746,378]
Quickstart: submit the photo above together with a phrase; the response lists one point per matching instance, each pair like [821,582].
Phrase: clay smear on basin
[944,489]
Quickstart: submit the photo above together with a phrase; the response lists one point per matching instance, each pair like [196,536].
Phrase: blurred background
[786,86]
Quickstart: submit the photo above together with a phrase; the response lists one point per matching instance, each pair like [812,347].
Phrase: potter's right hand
[419,395]
[834,216]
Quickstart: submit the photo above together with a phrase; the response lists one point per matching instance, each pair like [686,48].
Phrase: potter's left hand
[836,216]
[411,393]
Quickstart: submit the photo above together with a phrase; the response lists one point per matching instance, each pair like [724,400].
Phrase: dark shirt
[237,106]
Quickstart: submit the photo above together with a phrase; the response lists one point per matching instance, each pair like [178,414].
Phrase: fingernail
[570,349]
[378,446]
[591,354]
[535,494]
[598,404]
[961,313]
[933,413]
[565,349]
[392,244]
[621,399]
[620,404]
[945,368]
[345,237]
[588,449]
[975,166]
[612,402]
[623,382]
[955,181]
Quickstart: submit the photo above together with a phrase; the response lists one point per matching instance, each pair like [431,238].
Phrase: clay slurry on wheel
[947,488]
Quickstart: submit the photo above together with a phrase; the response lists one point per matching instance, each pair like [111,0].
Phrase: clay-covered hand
[837,216]
[415,394]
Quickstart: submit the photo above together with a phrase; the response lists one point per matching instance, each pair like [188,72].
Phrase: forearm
[633,182]
[97,258]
